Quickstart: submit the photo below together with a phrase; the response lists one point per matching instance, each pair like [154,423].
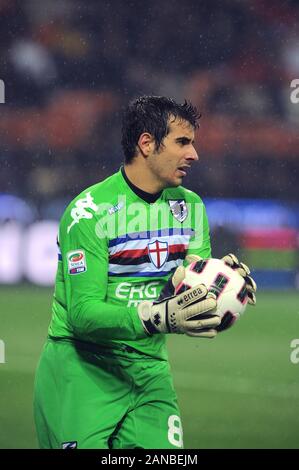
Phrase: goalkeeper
[103,379]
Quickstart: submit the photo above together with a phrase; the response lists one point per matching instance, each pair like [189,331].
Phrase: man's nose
[192,155]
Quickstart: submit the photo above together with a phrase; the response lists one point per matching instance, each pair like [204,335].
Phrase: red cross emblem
[158,253]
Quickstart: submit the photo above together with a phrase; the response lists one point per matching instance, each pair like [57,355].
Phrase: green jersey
[117,250]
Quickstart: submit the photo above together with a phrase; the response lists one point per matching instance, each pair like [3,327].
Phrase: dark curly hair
[151,114]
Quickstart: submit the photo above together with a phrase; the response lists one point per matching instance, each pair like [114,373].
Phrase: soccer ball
[228,286]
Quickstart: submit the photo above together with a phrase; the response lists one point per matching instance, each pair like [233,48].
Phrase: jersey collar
[147,197]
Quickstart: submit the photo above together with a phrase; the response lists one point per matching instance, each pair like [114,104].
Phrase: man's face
[173,160]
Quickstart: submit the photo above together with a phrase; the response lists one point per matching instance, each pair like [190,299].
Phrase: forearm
[96,320]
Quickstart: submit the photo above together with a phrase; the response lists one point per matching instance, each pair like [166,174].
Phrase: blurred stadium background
[68,67]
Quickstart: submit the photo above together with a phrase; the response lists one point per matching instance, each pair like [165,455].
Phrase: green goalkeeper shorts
[96,399]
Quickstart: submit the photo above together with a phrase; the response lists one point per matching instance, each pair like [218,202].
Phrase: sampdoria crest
[178,209]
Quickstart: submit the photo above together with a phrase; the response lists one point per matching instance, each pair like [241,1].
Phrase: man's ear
[146,144]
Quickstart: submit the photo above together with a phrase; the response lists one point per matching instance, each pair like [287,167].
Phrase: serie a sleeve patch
[76,261]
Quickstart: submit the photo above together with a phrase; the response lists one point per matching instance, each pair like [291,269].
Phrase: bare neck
[142,177]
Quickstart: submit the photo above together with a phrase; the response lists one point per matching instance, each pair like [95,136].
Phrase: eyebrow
[184,140]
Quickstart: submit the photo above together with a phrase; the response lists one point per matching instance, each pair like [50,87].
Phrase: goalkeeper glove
[192,312]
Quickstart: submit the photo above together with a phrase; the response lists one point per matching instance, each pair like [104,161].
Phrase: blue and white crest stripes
[130,256]
[149,234]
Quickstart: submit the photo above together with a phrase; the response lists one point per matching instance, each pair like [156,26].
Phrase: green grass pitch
[240,390]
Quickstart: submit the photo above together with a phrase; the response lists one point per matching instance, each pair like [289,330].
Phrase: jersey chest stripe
[148,235]
[143,244]
[144,259]
[144,252]
[146,270]
[129,254]
[142,274]
[148,267]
